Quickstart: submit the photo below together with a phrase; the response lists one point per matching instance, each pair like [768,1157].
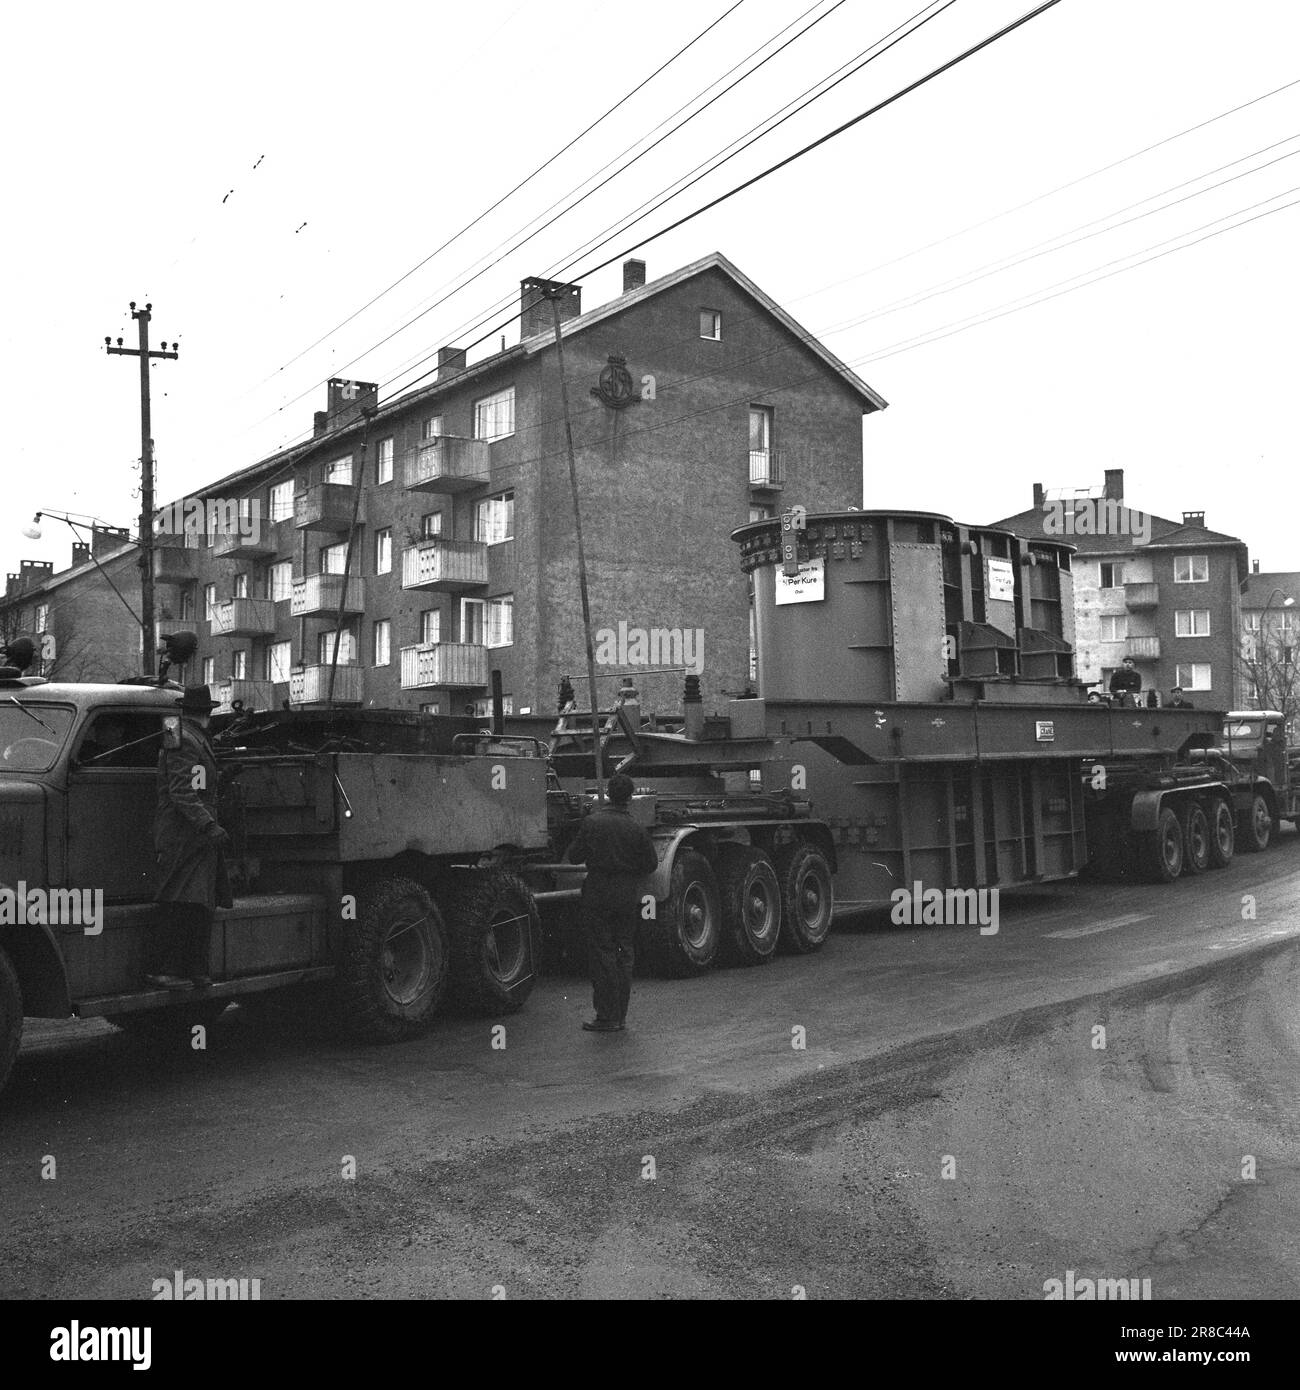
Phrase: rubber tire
[750,894]
[669,950]
[473,901]
[1255,827]
[1223,834]
[795,866]
[1161,861]
[1196,840]
[169,1026]
[366,1007]
[11,1017]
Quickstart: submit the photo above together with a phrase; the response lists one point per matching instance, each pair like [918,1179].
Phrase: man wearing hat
[1125,683]
[190,845]
[1177,701]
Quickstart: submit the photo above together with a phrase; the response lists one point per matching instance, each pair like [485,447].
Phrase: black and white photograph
[652,653]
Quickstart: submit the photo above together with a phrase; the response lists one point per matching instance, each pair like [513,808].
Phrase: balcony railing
[1143,648]
[320,593]
[765,468]
[309,685]
[175,559]
[243,617]
[447,463]
[445,565]
[326,507]
[447,665]
[258,544]
[1141,595]
[254,695]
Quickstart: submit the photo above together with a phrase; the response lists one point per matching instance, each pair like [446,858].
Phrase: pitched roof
[1258,588]
[714,261]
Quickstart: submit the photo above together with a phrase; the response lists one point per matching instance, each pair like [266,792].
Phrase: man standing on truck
[618,854]
[1176,700]
[190,844]
[1126,682]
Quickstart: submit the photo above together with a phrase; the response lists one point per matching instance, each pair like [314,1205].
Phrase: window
[384,461]
[1191,622]
[432,707]
[432,427]
[430,627]
[279,581]
[340,471]
[760,428]
[494,416]
[1112,575]
[501,621]
[121,738]
[1250,621]
[209,603]
[241,585]
[209,668]
[239,665]
[1193,676]
[383,642]
[1114,627]
[347,648]
[471,620]
[494,518]
[187,603]
[761,512]
[711,324]
[42,616]
[1191,569]
[276,660]
[333,558]
[431,525]
[483,708]
[281,508]
[384,550]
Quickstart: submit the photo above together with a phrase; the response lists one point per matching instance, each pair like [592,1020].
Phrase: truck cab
[1255,741]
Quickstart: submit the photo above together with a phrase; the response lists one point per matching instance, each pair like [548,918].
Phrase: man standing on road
[190,844]
[1177,701]
[618,854]
[1126,682]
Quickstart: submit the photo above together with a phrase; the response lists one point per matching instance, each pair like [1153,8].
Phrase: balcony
[175,559]
[253,695]
[444,665]
[243,617]
[1141,596]
[766,469]
[326,507]
[445,565]
[447,464]
[309,685]
[255,544]
[320,593]
[1143,648]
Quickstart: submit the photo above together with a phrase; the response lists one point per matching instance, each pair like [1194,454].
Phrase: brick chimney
[450,361]
[1040,496]
[344,400]
[30,573]
[633,275]
[535,312]
[1193,518]
[80,553]
[1114,489]
[1254,567]
[106,538]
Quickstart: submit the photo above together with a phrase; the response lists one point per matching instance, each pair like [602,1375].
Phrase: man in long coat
[190,844]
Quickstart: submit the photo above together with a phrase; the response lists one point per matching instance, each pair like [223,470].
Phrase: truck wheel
[1255,826]
[807,898]
[494,928]
[1196,840]
[751,904]
[1223,834]
[685,935]
[1162,848]
[11,1017]
[393,974]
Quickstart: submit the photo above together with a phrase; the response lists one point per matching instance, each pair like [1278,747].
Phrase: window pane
[340,471]
[471,621]
[383,631]
[281,581]
[384,462]
[431,428]
[500,621]
[282,501]
[760,427]
[430,626]
[384,550]
[431,524]
[710,323]
[494,416]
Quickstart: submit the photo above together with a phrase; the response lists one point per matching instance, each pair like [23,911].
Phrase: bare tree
[1269,665]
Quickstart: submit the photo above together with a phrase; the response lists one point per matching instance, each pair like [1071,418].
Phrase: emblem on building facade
[616,388]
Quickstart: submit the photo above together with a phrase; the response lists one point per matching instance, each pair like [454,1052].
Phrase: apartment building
[1166,593]
[1269,665]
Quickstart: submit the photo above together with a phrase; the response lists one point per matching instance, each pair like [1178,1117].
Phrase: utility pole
[142,316]
[554,297]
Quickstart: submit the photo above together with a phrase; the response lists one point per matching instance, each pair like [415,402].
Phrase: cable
[627,96]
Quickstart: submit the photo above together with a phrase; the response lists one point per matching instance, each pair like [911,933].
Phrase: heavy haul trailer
[927,669]
[371,860]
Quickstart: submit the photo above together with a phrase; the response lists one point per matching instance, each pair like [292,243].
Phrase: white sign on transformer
[808,586]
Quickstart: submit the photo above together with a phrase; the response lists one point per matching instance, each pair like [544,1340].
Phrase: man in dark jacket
[190,845]
[1126,682]
[618,854]
[1177,701]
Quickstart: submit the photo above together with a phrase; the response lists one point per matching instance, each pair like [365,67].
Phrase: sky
[262,174]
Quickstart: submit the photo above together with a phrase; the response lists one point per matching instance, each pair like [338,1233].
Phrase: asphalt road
[951,1126]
